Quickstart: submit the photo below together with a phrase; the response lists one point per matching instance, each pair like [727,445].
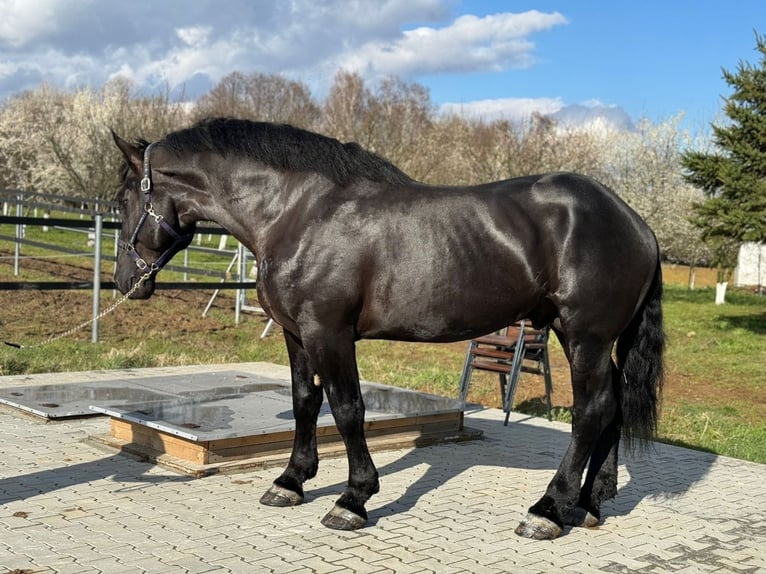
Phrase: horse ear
[132,154]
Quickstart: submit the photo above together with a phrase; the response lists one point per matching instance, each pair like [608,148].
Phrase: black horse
[349,247]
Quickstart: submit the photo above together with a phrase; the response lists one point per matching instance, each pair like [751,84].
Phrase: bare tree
[347,111]
[403,125]
[22,148]
[260,97]
[395,119]
[502,149]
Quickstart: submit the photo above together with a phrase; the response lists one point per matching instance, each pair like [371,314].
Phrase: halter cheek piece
[130,246]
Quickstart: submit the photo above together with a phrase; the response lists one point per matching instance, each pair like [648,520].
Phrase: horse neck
[249,200]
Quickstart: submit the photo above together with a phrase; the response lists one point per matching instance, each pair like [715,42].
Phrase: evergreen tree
[733,177]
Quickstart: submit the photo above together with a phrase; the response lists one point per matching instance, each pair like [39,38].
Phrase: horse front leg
[287,490]
[595,407]
[333,354]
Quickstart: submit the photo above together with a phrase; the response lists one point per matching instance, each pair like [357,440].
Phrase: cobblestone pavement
[68,506]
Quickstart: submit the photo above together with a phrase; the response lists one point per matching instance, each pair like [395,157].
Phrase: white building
[751,265]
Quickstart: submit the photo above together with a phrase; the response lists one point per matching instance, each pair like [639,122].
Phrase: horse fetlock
[579,516]
[363,488]
[375,486]
[606,487]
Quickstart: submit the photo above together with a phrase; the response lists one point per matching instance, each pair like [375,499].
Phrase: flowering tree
[60,142]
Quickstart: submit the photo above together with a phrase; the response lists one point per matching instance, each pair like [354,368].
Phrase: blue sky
[625,60]
[653,58]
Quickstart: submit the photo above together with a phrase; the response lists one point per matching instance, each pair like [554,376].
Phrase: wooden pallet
[202,458]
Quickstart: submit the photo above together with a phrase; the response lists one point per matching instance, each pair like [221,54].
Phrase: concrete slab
[207,405]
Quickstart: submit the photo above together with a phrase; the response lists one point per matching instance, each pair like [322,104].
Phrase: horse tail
[641,372]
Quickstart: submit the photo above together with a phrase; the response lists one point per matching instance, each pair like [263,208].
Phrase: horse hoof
[281,497]
[538,528]
[578,516]
[340,518]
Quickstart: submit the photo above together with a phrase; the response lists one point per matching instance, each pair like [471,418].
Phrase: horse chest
[286,288]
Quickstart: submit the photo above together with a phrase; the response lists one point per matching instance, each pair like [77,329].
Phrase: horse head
[152,232]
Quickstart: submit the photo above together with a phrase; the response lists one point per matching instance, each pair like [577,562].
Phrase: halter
[130,246]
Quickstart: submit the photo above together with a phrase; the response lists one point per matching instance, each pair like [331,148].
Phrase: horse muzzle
[135,286]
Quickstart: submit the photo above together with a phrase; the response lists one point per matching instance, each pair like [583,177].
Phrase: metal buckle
[158,217]
[146,184]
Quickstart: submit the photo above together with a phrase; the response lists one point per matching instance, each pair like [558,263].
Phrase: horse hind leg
[287,490]
[601,479]
[595,407]
[600,485]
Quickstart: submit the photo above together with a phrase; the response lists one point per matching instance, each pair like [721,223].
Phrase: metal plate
[209,405]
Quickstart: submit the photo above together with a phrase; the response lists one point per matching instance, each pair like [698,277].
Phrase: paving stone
[68,507]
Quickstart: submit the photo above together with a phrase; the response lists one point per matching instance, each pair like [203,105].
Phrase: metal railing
[96,217]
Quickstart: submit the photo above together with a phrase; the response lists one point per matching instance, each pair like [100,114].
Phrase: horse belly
[455,309]
[461,275]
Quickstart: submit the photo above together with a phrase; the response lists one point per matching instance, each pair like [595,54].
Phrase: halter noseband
[130,246]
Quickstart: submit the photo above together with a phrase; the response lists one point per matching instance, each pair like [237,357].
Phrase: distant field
[679,275]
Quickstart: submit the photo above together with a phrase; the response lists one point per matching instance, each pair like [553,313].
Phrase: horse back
[452,263]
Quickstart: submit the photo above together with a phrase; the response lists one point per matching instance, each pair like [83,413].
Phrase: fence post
[115,252]
[19,234]
[96,277]
[240,293]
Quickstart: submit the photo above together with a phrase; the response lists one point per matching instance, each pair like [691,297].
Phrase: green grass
[718,430]
[716,359]
[718,351]
[725,343]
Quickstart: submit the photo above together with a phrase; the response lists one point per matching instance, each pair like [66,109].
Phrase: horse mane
[286,147]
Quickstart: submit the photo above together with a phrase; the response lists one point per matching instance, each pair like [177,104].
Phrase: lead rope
[81,326]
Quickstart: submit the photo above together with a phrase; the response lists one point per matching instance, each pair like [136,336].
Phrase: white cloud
[24,21]
[469,44]
[194,35]
[594,115]
[591,114]
[513,109]
[164,44]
